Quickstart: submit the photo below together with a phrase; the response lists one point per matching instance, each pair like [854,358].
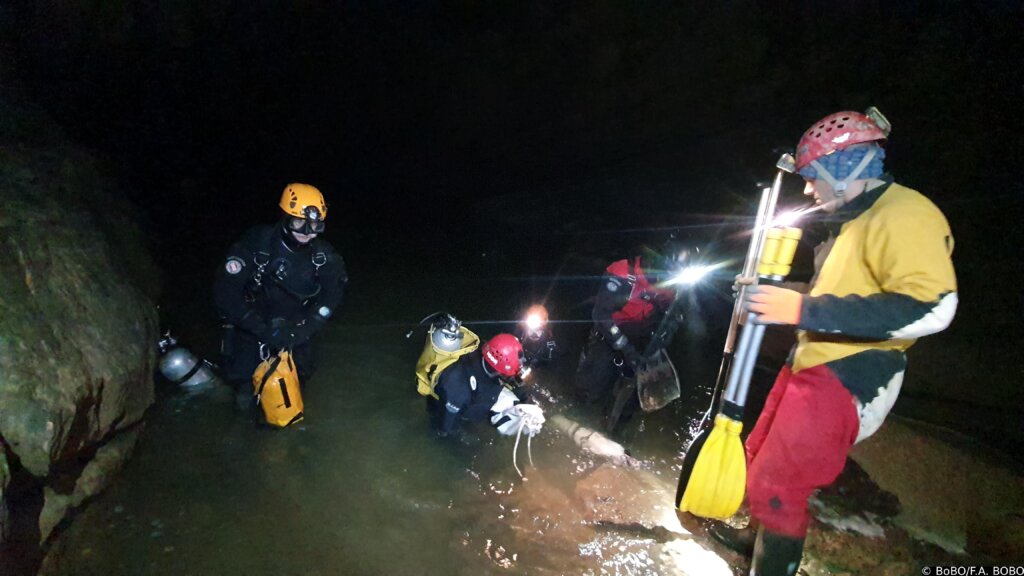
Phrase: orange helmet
[303,201]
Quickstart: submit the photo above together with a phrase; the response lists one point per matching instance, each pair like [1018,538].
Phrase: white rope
[529,448]
[515,449]
[526,421]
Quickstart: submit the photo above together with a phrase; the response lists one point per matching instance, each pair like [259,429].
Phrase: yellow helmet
[303,201]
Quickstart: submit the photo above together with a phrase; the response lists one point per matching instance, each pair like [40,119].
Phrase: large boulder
[77,327]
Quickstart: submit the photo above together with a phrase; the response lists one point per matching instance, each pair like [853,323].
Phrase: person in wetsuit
[278,286]
[539,345]
[478,387]
[628,307]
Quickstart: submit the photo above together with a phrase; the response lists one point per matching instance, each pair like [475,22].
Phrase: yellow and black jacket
[887,281]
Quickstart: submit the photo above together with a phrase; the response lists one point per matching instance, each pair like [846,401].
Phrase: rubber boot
[775,554]
[739,540]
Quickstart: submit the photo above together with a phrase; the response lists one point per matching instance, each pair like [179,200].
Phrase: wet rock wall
[77,331]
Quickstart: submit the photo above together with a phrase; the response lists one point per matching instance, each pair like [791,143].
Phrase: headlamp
[690,275]
[535,320]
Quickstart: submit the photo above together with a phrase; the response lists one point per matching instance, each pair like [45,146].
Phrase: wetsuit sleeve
[229,290]
[334,278]
[523,394]
[909,254]
[454,402]
[454,394]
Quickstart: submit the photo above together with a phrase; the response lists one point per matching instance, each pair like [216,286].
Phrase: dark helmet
[675,254]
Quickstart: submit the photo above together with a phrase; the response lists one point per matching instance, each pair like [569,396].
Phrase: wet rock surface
[861,527]
[77,323]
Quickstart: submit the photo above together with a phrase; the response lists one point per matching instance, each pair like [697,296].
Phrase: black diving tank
[182,367]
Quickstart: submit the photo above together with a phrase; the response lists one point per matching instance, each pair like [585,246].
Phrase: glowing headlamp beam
[534,322]
[691,275]
[790,218]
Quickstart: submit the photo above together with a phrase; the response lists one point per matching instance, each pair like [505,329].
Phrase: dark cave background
[440,131]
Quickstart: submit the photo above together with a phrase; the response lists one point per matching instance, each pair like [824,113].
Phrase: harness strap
[269,373]
[191,372]
[260,259]
[284,393]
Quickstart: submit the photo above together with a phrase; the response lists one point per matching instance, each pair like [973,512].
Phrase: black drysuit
[273,291]
[466,392]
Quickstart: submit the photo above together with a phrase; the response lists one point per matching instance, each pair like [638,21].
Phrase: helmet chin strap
[488,369]
[839,187]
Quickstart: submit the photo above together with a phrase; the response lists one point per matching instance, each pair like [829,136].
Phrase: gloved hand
[774,305]
[533,418]
[529,417]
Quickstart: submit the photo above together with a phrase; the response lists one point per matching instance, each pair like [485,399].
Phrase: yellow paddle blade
[719,477]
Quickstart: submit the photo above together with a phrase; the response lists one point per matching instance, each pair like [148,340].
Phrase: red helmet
[502,353]
[836,132]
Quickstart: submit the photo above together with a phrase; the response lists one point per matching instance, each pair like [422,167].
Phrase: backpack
[275,384]
[434,360]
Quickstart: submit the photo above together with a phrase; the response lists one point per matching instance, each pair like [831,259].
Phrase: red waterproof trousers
[799,443]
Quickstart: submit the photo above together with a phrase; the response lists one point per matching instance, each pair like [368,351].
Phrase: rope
[515,449]
[529,448]
[523,421]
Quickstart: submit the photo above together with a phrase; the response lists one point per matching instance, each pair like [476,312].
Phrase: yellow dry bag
[275,383]
[435,358]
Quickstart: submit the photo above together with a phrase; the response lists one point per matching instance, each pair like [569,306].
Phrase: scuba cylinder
[180,366]
[447,341]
